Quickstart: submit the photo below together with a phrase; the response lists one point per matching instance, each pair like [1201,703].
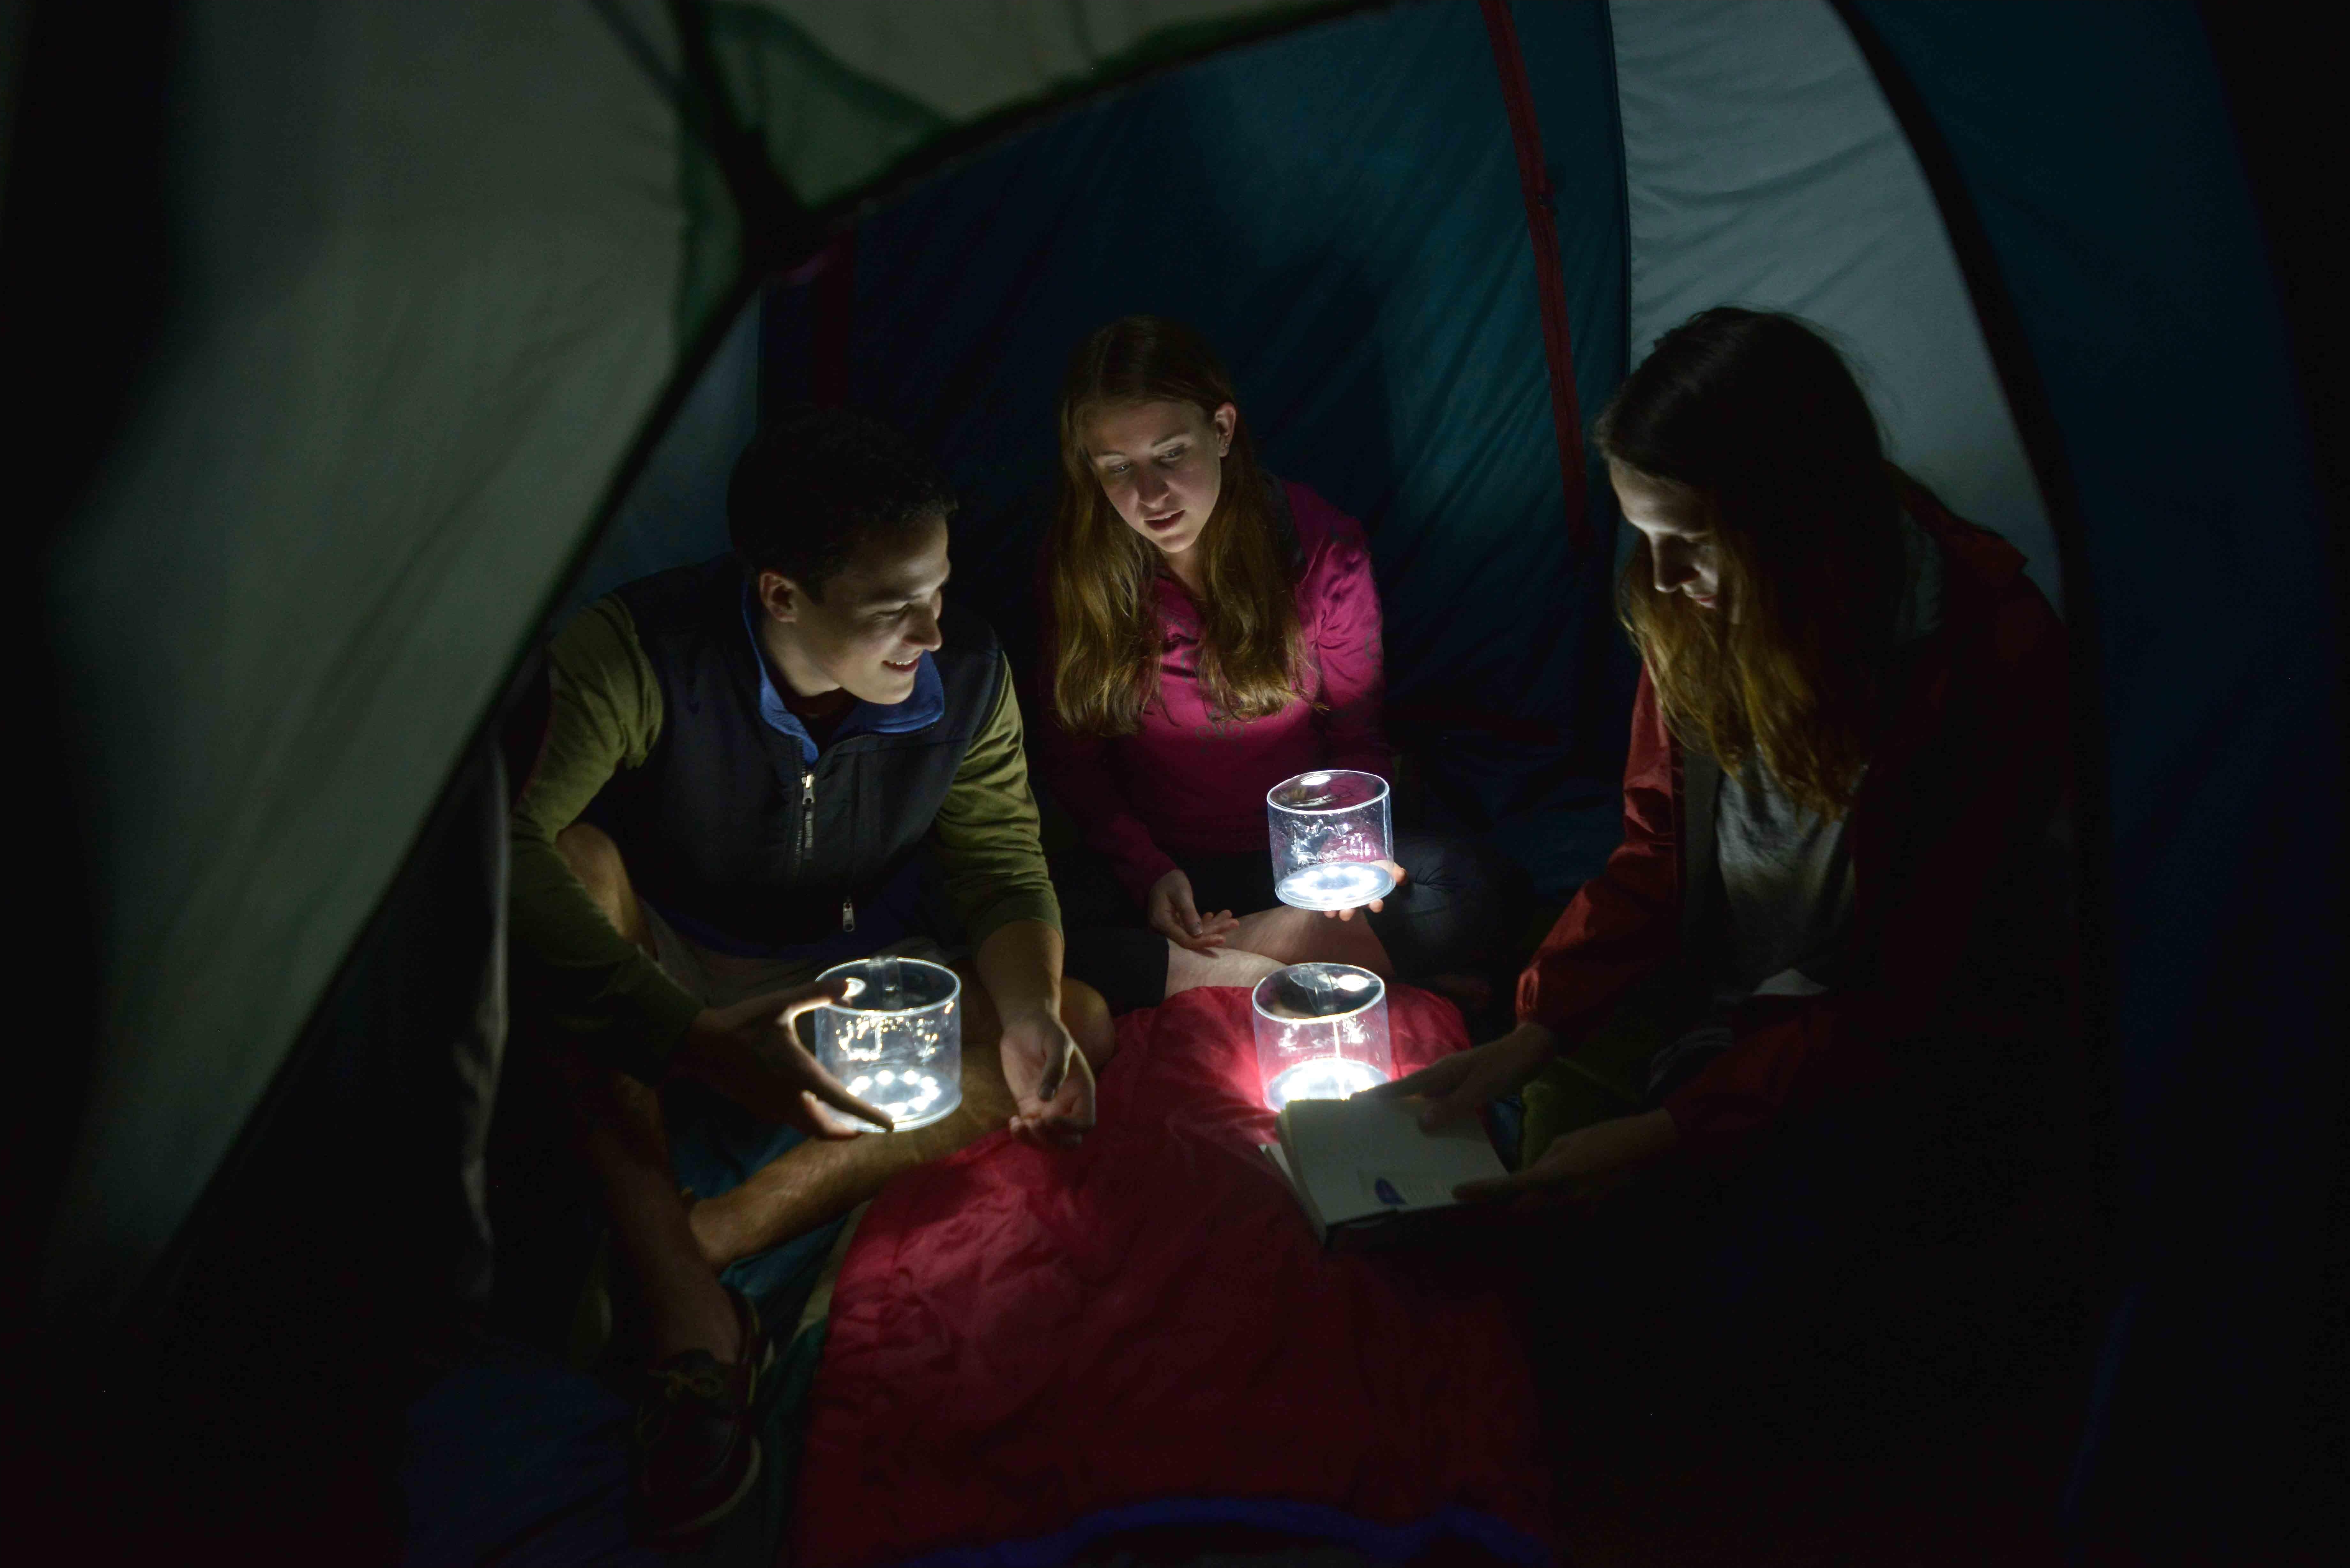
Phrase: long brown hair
[1761,418]
[1106,664]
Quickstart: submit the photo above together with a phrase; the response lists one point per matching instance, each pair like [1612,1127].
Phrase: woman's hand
[1170,912]
[1578,1171]
[750,1054]
[1462,1084]
[1396,870]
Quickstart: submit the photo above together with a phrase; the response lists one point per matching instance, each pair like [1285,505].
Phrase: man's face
[878,615]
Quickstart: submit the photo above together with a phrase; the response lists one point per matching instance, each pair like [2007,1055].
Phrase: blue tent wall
[2094,146]
[1339,211]
[676,510]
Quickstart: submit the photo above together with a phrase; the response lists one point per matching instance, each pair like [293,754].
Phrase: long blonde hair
[1759,415]
[1105,663]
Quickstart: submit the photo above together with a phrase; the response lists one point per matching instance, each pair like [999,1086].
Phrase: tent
[354,345]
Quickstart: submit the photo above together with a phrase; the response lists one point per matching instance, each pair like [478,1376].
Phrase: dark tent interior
[265,1299]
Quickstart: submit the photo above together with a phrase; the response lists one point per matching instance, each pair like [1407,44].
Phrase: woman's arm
[1624,923]
[1621,926]
[1076,768]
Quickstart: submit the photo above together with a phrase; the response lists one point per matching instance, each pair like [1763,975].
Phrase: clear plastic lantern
[1332,847]
[1321,1032]
[895,1040]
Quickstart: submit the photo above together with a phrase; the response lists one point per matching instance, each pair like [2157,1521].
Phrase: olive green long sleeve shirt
[606,714]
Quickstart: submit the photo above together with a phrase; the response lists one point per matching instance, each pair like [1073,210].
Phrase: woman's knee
[1464,901]
[1448,865]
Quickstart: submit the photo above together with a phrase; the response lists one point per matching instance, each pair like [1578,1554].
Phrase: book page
[1362,1155]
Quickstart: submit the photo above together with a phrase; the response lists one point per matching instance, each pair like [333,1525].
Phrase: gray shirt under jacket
[1777,876]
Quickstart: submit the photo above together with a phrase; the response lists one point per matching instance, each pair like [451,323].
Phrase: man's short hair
[817,482]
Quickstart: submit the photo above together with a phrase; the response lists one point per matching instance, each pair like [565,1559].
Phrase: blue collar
[925,707]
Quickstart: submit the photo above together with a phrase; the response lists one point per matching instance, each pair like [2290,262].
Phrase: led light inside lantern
[1331,842]
[895,1039]
[1321,1032]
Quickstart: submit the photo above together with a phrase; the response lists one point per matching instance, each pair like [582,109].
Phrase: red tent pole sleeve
[830,277]
[1550,277]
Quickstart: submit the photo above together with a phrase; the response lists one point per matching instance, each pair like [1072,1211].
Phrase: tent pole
[1550,274]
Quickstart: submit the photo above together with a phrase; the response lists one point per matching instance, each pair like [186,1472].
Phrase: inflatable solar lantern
[1321,1032]
[1331,843]
[895,1040]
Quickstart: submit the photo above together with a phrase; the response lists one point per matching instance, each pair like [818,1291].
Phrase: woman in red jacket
[1211,632]
[1838,901]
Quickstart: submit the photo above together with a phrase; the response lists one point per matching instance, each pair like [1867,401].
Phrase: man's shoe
[695,1449]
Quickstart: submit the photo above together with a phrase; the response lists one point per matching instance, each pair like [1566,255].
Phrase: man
[743,765]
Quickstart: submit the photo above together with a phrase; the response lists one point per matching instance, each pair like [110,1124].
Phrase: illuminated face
[1163,466]
[878,615]
[1684,552]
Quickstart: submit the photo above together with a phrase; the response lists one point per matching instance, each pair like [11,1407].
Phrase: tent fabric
[675,511]
[1764,169]
[1359,184]
[843,96]
[436,280]
[2093,147]
[1550,283]
[362,1225]
[1356,186]
[842,92]
[430,271]
[1024,1343]
[455,223]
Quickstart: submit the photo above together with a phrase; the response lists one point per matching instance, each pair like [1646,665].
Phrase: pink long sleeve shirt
[1189,782]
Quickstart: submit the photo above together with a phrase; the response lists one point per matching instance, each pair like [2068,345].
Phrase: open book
[1366,1172]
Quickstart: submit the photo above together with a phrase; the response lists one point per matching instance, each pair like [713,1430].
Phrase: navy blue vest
[725,825]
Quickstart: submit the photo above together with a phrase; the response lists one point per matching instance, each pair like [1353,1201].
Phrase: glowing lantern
[895,1041]
[1332,847]
[1321,1032]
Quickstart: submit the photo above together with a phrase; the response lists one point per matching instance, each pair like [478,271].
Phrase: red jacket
[1955,808]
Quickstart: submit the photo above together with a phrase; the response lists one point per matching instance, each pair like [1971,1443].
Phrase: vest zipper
[807,810]
[807,840]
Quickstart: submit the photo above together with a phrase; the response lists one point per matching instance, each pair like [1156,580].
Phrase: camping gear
[1321,1032]
[1332,844]
[352,346]
[895,1038]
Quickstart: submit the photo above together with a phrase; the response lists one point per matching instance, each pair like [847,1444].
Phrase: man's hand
[1049,1079]
[1462,1084]
[750,1054]
[1578,1171]
[1170,912]
[1394,869]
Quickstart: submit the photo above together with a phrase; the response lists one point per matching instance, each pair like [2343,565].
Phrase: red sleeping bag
[1032,1350]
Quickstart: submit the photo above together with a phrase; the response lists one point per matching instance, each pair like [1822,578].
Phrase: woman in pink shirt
[1210,632]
